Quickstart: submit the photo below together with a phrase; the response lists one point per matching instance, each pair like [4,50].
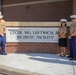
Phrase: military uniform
[62,34]
[71,40]
[63,38]
[72,33]
[2,36]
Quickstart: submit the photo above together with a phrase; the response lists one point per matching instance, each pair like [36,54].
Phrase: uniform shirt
[75,28]
[72,28]
[2,27]
[63,30]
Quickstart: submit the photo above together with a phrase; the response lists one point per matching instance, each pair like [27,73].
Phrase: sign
[31,34]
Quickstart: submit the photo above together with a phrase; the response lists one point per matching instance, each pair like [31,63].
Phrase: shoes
[74,59]
[4,54]
[68,56]
[62,55]
[59,54]
[71,59]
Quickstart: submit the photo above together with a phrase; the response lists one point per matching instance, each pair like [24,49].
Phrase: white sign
[31,34]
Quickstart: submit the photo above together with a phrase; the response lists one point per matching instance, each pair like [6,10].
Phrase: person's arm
[73,34]
[58,35]
[69,33]
[4,32]
[63,34]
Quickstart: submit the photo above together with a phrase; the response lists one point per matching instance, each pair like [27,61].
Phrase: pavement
[36,64]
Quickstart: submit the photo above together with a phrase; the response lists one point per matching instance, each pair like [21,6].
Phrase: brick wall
[6,2]
[29,47]
[41,12]
[34,47]
[74,7]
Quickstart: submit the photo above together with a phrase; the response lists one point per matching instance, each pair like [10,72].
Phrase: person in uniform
[72,38]
[2,35]
[62,36]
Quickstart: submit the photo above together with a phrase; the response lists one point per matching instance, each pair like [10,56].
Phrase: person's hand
[69,37]
[58,37]
[1,34]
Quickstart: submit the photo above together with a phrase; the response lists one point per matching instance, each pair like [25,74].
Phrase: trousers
[72,47]
[2,43]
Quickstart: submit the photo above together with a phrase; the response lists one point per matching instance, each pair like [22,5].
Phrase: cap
[1,16]
[63,20]
[73,16]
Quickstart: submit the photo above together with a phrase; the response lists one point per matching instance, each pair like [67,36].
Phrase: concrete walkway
[38,64]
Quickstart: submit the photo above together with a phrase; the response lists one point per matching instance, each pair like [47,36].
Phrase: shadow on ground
[50,58]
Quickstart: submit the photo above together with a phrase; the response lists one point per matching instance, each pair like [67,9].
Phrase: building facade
[1,5]
[37,10]
[36,14]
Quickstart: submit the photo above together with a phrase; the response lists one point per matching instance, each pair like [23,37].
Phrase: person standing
[62,36]
[72,38]
[2,34]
